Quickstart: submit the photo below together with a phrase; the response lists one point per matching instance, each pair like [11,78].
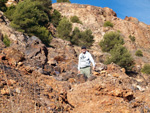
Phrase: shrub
[118,31]
[46,5]
[146,69]
[59,1]
[9,12]
[31,17]
[42,33]
[132,38]
[110,40]
[56,17]
[82,37]
[64,29]
[121,56]
[6,41]
[139,53]
[75,19]
[2,5]
[108,24]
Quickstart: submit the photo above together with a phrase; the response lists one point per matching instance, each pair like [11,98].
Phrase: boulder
[5,91]
[35,53]
[14,56]
[132,19]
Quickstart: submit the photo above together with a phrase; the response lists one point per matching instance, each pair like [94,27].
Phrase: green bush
[121,56]
[82,37]
[118,31]
[6,41]
[2,5]
[46,5]
[75,19]
[64,29]
[132,38]
[139,53]
[9,12]
[59,1]
[146,69]
[31,16]
[56,17]
[110,40]
[42,33]
[108,24]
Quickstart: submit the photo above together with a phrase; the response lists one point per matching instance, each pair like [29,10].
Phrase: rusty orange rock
[5,91]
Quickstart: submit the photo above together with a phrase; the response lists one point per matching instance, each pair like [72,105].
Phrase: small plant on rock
[6,41]
[146,69]
[108,24]
[132,38]
[139,53]
[75,19]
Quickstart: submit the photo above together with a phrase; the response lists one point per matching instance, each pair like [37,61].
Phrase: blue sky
[139,9]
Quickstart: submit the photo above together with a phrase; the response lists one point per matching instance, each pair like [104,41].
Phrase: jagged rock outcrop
[131,19]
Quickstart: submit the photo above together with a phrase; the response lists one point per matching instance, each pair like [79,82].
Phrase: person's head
[83,49]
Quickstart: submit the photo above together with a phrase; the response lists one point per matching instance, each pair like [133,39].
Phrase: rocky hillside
[94,17]
[39,79]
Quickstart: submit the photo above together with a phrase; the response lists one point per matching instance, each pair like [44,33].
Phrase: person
[84,62]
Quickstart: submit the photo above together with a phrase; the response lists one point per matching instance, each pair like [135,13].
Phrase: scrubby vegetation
[132,38]
[59,1]
[9,12]
[32,16]
[82,37]
[113,43]
[146,69]
[77,37]
[110,40]
[139,53]
[64,29]
[122,57]
[6,41]
[2,5]
[56,17]
[75,19]
[108,24]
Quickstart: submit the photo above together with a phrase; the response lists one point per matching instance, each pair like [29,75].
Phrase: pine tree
[31,16]
[64,29]
[110,40]
[2,5]
[121,56]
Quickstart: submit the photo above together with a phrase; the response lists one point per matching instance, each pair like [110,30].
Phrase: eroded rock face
[131,19]
[91,17]
[36,52]
[94,17]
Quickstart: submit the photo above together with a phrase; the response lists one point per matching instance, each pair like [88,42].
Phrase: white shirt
[85,60]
